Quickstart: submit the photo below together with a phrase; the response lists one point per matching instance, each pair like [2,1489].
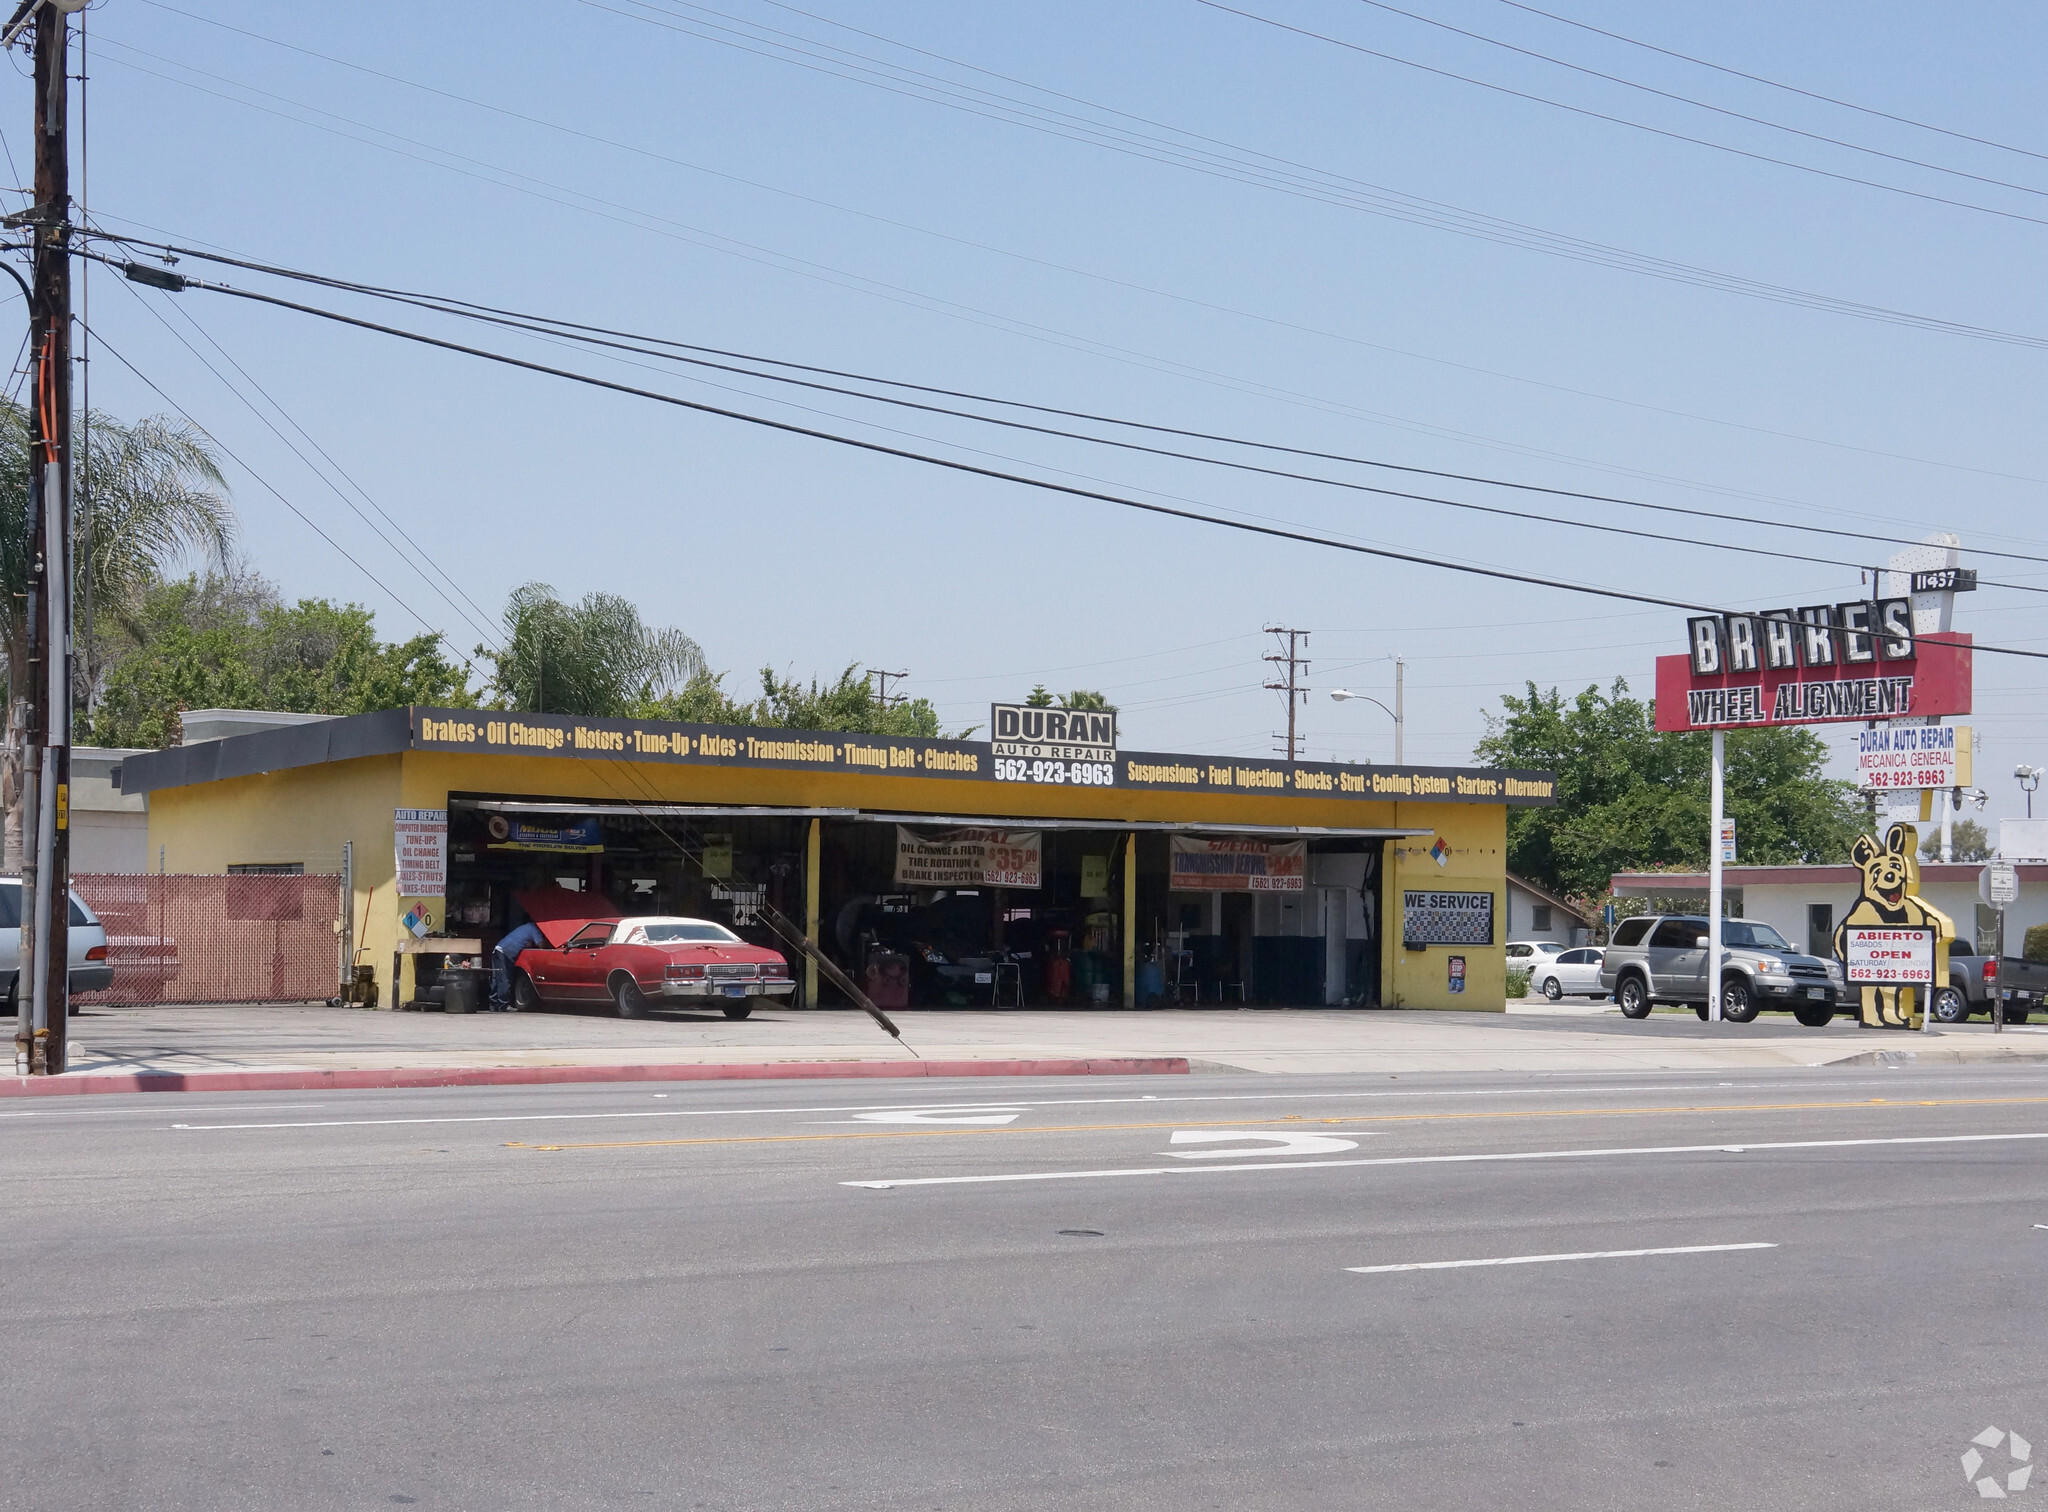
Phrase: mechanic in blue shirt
[525,937]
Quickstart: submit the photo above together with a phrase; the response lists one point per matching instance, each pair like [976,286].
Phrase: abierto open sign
[1879,955]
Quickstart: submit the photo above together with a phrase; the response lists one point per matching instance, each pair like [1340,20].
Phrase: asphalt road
[1103,1294]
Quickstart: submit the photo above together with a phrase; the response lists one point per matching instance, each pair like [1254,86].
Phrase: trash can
[463,990]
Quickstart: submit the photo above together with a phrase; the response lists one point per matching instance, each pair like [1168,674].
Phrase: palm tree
[145,497]
[594,657]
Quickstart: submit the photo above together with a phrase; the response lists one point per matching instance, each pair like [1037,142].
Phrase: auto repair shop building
[934,868]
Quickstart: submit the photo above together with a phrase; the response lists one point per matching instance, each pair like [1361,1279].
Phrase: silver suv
[1664,960]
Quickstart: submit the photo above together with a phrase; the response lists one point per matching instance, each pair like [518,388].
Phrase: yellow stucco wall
[305,814]
[1477,837]
[302,814]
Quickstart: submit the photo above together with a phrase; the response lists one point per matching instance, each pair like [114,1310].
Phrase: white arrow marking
[1285,1142]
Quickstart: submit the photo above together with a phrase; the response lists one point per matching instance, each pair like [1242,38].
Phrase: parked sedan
[634,963]
[1576,973]
[1532,954]
[86,946]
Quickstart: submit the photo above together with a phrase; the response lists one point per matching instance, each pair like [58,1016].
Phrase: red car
[636,963]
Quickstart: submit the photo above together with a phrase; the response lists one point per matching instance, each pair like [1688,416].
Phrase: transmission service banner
[1232,865]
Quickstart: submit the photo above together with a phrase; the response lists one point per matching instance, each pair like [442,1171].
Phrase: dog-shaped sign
[1891,896]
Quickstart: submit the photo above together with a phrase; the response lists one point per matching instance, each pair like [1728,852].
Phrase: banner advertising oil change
[968,858]
[1225,864]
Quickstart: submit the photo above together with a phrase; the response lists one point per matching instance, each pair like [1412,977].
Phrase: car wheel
[1737,1006]
[1814,1015]
[524,998]
[1552,989]
[1950,1006]
[1701,1010]
[739,1013]
[1634,997]
[2016,1013]
[627,997]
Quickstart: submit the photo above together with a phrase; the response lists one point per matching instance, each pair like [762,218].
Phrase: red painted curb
[534,1076]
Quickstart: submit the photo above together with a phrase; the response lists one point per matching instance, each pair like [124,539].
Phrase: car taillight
[97,953]
[1991,968]
[678,969]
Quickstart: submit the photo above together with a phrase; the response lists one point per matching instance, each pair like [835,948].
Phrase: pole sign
[1822,664]
[1999,885]
[1728,841]
[1901,758]
[1888,956]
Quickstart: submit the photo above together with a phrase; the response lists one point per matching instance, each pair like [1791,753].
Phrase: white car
[90,971]
[1530,954]
[1575,973]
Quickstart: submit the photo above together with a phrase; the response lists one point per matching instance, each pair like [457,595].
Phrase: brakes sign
[1885,956]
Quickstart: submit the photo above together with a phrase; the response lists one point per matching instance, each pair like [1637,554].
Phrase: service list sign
[421,838]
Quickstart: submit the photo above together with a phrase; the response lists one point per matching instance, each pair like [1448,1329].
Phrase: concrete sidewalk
[1529,1038]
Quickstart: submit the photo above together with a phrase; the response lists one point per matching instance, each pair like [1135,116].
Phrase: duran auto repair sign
[1882,955]
[1900,758]
[1816,665]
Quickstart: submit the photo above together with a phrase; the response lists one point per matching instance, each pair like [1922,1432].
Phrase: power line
[488,630]
[902,295]
[878,448]
[594,335]
[1598,115]
[1594,73]
[1042,262]
[1883,115]
[1329,187]
[304,518]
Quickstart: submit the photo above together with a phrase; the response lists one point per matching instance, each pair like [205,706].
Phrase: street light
[1340,694]
[2030,778]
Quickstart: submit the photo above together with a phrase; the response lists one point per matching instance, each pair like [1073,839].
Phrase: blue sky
[786,203]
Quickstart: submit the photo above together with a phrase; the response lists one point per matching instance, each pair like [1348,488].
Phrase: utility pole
[44,980]
[882,678]
[1292,685]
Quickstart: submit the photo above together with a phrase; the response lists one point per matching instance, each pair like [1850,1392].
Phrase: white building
[1805,903]
[1534,914]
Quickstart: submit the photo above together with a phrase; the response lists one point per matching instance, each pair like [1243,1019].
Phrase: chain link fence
[234,939]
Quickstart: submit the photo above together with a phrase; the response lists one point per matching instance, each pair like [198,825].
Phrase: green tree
[1630,797]
[226,641]
[145,497]
[593,657]
[1967,839]
[1080,698]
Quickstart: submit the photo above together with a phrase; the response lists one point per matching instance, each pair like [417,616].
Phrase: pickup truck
[1664,960]
[1970,982]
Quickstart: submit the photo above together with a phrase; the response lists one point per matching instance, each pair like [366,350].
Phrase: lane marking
[1635,1254]
[1289,1142]
[1375,1118]
[1405,1160]
[933,1116]
[1067,1102]
[1231,1124]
